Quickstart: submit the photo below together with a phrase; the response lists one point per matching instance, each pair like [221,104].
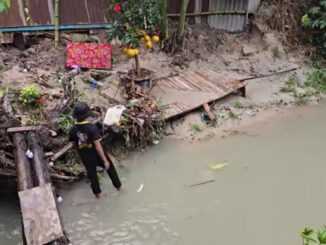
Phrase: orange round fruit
[125,50]
[136,51]
[147,38]
[149,44]
[131,53]
[156,38]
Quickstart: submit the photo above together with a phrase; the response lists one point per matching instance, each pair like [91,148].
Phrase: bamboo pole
[182,19]
[56,23]
[221,12]
[137,65]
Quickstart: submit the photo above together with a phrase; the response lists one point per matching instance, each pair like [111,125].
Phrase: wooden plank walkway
[190,90]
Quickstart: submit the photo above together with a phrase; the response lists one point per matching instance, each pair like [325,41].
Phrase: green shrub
[315,20]
[317,80]
[29,95]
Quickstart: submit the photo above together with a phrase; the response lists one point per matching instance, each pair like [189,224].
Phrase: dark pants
[92,175]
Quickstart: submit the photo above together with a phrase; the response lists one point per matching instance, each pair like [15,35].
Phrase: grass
[232,115]
[276,52]
[290,85]
[238,105]
[317,80]
[195,128]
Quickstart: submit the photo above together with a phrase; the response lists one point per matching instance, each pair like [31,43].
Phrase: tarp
[89,55]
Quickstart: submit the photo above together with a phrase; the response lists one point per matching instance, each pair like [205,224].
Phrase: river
[273,186]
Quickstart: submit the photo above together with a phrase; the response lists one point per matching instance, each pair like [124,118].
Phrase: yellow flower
[304,18]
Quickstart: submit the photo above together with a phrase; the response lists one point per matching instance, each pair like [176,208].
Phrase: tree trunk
[24,171]
[182,20]
[137,65]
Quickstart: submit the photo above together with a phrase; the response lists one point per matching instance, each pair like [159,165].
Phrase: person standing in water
[87,139]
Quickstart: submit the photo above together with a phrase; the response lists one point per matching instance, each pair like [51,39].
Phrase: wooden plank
[62,151]
[42,224]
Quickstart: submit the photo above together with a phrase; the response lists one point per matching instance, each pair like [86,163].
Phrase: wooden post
[56,23]
[182,20]
[137,65]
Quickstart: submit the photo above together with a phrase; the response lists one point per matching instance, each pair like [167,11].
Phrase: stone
[247,50]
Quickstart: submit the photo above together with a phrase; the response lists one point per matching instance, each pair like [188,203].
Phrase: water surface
[273,186]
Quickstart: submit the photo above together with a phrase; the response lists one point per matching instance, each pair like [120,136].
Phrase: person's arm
[100,151]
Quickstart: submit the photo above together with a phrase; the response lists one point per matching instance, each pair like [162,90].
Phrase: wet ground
[273,186]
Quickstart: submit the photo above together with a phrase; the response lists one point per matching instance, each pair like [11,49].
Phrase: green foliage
[29,96]
[32,122]
[65,122]
[232,115]
[1,65]
[238,104]
[4,5]
[311,237]
[315,20]
[290,85]
[317,80]
[135,15]
[195,128]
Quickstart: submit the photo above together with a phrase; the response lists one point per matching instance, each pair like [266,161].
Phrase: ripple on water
[144,225]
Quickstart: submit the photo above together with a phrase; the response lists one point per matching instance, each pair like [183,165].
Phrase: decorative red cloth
[89,55]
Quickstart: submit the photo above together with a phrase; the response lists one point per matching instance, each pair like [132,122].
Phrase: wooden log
[24,171]
[208,111]
[29,128]
[62,151]
[41,174]
[23,168]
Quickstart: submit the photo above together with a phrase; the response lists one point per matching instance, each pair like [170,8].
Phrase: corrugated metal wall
[41,12]
[231,23]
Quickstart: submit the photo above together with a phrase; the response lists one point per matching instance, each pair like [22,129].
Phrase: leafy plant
[32,122]
[65,122]
[317,80]
[1,65]
[311,237]
[290,85]
[238,104]
[195,128]
[4,5]
[133,23]
[29,96]
[315,20]
[232,115]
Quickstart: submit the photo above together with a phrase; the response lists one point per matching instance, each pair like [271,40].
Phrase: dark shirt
[84,135]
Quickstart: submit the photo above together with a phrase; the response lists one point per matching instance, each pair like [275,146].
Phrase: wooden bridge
[41,221]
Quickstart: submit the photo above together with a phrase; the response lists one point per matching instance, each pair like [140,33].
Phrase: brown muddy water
[274,185]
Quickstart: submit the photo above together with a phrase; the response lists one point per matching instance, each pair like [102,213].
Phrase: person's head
[81,112]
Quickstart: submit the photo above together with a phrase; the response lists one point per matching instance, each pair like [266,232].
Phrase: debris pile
[139,125]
